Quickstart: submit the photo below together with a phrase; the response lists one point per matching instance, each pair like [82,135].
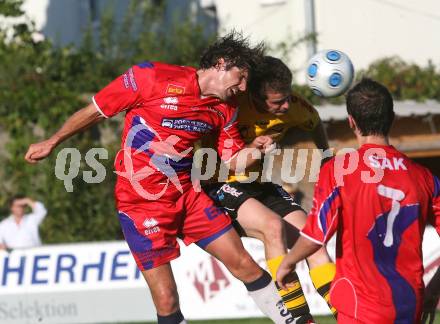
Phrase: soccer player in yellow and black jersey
[263,210]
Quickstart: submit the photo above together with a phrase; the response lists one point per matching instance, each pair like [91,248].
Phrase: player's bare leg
[229,250]
[322,269]
[268,229]
[163,290]
[260,222]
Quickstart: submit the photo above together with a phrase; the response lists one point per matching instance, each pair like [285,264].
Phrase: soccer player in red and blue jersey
[168,108]
[378,201]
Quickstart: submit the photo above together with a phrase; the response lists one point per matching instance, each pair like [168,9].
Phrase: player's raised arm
[121,94]
[80,120]
[303,248]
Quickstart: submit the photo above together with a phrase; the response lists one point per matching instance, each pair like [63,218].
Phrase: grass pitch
[319,319]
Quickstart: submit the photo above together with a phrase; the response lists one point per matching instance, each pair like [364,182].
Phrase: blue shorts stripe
[203,243]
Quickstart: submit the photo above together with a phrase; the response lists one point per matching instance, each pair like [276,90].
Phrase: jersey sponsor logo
[171,100]
[208,279]
[220,196]
[213,212]
[230,190]
[153,230]
[175,89]
[167,123]
[385,163]
[151,226]
[129,80]
[170,103]
[188,125]
[286,196]
[150,222]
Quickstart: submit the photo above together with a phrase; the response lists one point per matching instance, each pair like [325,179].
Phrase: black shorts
[230,196]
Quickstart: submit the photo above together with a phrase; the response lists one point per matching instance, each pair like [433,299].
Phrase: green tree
[41,85]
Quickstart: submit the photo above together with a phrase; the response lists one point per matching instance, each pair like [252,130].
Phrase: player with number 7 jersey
[378,201]
[379,265]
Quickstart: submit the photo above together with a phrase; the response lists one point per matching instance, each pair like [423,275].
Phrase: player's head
[16,207]
[229,62]
[370,106]
[271,84]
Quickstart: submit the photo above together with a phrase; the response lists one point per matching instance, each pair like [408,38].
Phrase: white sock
[265,295]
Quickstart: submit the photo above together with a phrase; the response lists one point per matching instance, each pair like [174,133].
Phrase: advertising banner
[99,282]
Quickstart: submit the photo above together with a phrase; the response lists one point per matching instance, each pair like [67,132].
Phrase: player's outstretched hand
[39,151]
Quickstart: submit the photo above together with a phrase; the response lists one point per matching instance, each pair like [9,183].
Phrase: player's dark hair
[14,198]
[235,50]
[272,74]
[371,106]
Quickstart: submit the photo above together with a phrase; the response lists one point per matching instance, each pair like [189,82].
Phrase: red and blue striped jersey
[165,116]
[378,201]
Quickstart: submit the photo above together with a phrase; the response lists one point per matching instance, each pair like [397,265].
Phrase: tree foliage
[41,85]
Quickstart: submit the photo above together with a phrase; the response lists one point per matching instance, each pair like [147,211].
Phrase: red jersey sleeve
[322,221]
[229,139]
[435,215]
[126,91]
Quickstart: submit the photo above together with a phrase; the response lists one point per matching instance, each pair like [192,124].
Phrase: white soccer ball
[329,73]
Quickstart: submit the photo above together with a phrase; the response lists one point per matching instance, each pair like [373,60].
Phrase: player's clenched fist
[39,151]
[263,143]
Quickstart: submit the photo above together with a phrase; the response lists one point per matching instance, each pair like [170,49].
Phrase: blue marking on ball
[335,79]
[333,56]
[312,70]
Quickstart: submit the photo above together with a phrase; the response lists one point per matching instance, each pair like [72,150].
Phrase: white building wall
[365,29]
[37,11]
[372,29]
[272,21]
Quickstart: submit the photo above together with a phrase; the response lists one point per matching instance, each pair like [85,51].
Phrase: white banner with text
[99,282]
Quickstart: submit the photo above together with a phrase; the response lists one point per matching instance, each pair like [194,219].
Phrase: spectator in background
[20,230]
